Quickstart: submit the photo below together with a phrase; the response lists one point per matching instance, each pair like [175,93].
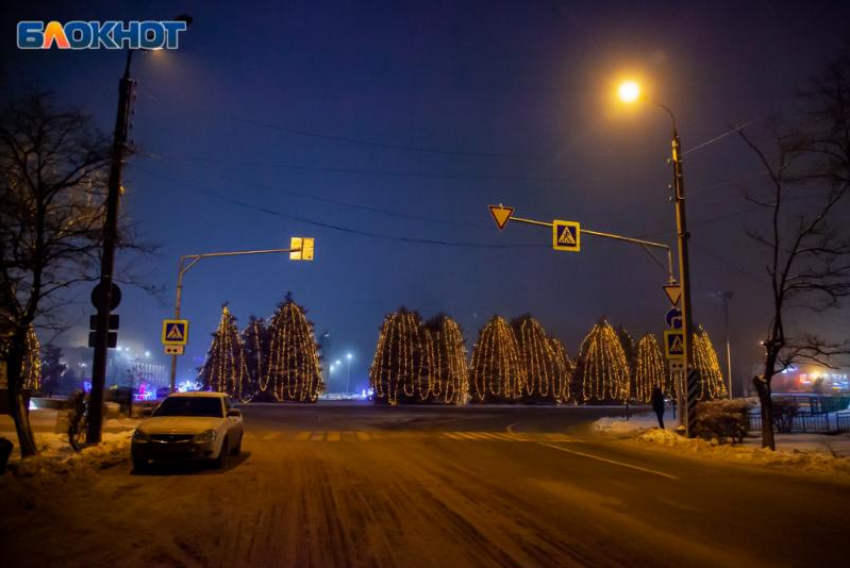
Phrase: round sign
[97,297]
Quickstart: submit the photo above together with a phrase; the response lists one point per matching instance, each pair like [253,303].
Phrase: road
[347,484]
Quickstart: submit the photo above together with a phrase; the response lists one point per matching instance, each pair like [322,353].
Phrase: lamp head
[629,91]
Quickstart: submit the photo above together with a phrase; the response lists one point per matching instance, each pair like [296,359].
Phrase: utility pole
[726,296]
[107,260]
[683,236]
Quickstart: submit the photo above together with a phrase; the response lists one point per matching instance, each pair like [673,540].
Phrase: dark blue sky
[515,99]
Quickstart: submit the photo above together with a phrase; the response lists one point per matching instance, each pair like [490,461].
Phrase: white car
[189,426]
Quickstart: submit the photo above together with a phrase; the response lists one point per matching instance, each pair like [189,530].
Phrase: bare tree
[52,173]
[805,237]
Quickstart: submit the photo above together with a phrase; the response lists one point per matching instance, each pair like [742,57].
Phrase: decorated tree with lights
[569,366]
[497,373]
[547,378]
[450,369]
[403,368]
[603,369]
[225,369]
[630,351]
[293,372]
[650,369]
[32,361]
[255,338]
[710,377]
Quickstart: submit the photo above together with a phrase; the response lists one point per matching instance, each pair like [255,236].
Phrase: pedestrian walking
[658,405]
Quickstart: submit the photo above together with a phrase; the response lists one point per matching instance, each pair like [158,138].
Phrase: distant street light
[629,92]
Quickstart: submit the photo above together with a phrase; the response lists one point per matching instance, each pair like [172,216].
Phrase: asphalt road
[344,484]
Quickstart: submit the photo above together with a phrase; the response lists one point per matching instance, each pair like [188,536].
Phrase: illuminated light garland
[650,369]
[403,367]
[603,367]
[497,373]
[293,372]
[627,342]
[31,368]
[224,369]
[569,366]
[547,376]
[255,339]
[450,383]
[709,374]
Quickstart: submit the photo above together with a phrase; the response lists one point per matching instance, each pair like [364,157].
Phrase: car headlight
[139,436]
[205,436]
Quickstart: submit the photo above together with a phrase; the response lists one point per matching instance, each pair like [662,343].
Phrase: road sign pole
[683,236]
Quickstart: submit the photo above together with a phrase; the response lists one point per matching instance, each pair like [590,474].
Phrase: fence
[818,423]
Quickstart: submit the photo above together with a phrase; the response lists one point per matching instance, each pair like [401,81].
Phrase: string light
[225,369]
[255,338]
[547,375]
[31,368]
[650,370]
[497,373]
[603,365]
[450,382]
[627,342]
[569,366]
[293,372]
[707,366]
[403,367]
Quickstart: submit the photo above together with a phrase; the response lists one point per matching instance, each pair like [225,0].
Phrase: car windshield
[190,406]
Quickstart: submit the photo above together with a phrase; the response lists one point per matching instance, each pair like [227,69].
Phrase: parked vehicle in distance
[189,426]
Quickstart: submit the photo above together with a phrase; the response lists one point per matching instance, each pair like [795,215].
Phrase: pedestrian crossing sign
[175,332]
[674,344]
[566,235]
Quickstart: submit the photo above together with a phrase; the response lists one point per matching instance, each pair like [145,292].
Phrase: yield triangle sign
[674,293]
[501,215]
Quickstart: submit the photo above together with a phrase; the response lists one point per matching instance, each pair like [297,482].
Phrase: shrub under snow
[723,420]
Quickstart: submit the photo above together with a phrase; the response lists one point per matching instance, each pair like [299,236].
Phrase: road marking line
[270,436]
[452,435]
[506,437]
[363,436]
[606,460]
[303,436]
[333,437]
[317,437]
[349,437]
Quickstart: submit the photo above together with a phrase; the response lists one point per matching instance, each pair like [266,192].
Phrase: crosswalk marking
[371,435]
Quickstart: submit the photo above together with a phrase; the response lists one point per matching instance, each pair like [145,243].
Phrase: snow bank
[57,461]
[819,453]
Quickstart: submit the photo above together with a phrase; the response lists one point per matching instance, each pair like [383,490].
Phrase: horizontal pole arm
[627,239]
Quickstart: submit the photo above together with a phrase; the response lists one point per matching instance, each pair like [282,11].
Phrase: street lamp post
[630,92]
[348,378]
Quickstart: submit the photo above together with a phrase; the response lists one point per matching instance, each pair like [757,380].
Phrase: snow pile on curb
[58,461]
[814,458]
[815,461]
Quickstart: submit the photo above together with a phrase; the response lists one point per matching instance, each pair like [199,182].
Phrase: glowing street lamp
[629,92]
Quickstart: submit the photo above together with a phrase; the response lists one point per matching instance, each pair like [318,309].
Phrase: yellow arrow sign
[501,215]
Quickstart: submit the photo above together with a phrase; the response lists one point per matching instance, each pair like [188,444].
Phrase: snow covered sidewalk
[821,453]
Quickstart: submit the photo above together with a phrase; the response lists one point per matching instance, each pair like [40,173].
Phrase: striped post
[691,402]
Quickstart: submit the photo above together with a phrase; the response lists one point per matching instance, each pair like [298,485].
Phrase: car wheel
[237,449]
[218,462]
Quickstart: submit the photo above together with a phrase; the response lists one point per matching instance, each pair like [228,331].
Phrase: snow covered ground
[56,459]
[822,453]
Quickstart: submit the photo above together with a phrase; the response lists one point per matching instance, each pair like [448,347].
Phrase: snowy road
[352,485]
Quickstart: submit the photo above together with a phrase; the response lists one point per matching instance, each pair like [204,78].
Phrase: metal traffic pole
[304,250]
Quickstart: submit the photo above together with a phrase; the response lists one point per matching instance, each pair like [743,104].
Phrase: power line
[341,203]
[721,136]
[340,228]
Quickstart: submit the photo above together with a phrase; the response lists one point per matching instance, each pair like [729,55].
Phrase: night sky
[376,126]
